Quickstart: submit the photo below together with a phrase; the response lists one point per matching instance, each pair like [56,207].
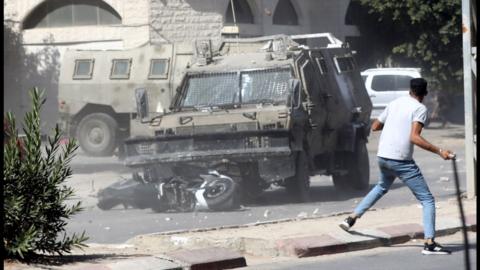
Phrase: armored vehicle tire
[299,185]
[220,194]
[97,134]
[358,175]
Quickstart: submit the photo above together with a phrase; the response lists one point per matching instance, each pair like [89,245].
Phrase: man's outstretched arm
[419,141]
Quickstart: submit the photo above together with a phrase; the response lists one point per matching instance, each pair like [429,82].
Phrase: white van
[386,84]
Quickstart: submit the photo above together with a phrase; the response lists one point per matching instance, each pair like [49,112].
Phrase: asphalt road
[118,225]
[398,257]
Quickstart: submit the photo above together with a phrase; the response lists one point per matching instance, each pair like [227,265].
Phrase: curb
[316,245]
[213,258]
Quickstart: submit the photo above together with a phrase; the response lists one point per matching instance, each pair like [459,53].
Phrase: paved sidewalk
[222,248]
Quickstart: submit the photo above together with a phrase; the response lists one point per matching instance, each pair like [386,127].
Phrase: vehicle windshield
[217,89]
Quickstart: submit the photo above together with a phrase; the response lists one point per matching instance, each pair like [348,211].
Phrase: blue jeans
[410,174]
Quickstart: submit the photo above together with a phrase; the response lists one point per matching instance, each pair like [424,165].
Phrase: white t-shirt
[397,119]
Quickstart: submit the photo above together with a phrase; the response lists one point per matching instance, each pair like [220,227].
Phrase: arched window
[243,12]
[285,13]
[64,13]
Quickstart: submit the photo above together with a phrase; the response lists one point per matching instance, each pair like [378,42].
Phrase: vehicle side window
[83,69]
[120,68]
[158,69]
[391,83]
[402,83]
[383,83]
[344,63]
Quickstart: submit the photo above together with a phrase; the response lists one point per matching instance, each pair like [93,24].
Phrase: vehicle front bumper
[228,146]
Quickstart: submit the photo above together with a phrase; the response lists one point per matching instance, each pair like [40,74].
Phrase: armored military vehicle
[96,100]
[263,111]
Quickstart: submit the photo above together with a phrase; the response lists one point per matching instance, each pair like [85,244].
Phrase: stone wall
[176,20]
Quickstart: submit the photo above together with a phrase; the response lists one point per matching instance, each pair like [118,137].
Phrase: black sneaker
[435,249]
[347,223]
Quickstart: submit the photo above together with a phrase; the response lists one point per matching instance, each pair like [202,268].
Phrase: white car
[386,84]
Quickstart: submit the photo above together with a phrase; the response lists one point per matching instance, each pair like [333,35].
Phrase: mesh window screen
[223,88]
[211,89]
[345,64]
[265,85]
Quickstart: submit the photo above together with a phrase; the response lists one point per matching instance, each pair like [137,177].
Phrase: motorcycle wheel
[219,194]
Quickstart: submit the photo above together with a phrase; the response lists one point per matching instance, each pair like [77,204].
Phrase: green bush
[34,189]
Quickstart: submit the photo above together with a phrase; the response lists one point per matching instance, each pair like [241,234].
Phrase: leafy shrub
[34,190]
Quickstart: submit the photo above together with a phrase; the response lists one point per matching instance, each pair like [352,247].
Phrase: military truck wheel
[97,134]
[358,175]
[299,185]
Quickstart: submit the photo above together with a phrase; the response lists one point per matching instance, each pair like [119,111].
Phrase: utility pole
[469,30]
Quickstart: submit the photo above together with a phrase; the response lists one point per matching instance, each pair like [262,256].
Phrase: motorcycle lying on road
[186,190]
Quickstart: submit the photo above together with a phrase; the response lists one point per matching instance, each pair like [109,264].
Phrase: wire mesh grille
[224,88]
[265,85]
[211,89]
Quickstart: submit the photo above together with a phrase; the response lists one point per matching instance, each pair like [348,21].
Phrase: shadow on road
[54,260]
[317,194]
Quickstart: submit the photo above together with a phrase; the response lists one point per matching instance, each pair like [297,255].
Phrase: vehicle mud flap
[299,185]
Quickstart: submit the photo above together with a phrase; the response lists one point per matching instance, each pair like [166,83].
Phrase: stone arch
[243,12]
[285,13]
[62,13]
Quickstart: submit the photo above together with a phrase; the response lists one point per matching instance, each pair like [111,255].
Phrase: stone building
[48,27]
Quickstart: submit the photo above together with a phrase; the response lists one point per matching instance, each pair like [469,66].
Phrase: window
[158,69]
[265,85]
[402,83]
[83,69]
[285,13]
[120,68]
[243,12]
[65,13]
[391,83]
[344,63]
[254,86]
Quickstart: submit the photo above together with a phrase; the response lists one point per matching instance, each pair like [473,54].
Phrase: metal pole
[468,98]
